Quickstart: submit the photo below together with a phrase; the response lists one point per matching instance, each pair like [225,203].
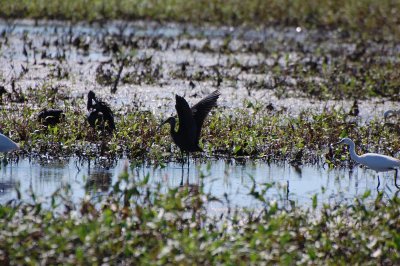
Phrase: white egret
[374,161]
[7,144]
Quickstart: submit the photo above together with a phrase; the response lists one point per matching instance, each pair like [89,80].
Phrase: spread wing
[185,114]
[202,108]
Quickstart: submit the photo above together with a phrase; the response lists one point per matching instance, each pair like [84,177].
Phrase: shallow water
[39,54]
[219,177]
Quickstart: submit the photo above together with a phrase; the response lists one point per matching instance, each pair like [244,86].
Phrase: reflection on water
[230,181]
[6,186]
[99,181]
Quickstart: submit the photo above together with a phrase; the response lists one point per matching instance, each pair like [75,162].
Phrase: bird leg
[379,183]
[187,179]
[287,190]
[183,164]
[181,184]
[395,179]
[182,158]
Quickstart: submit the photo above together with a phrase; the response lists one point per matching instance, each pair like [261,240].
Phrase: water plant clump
[135,225]
[253,131]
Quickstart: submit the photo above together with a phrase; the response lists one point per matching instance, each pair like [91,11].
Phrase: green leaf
[314,201]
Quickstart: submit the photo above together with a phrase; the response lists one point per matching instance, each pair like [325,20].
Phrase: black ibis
[50,116]
[100,115]
[190,122]
[354,111]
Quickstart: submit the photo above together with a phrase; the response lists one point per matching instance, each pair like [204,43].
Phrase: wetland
[269,186]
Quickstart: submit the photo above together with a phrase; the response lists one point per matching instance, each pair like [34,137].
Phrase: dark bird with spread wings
[190,121]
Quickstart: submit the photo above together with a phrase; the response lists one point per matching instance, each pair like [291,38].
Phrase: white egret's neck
[388,113]
[353,153]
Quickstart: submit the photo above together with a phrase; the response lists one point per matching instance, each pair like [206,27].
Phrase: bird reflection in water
[192,189]
[6,186]
[98,182]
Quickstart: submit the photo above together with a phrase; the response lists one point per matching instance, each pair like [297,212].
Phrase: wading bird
[50,116]
[374,161]
[7,144]
[100,115]
[390,113]
[354,110]
[190,122]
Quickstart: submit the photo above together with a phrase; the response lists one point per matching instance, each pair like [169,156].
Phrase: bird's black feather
[202,108]
[190,121]
[185,115]
[100,113]
[50,116]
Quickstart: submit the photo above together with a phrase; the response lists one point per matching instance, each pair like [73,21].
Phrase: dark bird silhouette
[190,122]
[100,115]
[354,111]
[50,116]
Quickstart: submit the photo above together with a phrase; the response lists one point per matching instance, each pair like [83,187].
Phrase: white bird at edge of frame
[7,144]
[374,161]
[390,113]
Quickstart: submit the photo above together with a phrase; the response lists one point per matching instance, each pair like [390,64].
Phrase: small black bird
[50,116]
[190,122]
[100,115]
[354,110]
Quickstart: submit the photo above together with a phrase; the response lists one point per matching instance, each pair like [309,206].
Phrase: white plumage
[390,113]
[7,144]
[375,161]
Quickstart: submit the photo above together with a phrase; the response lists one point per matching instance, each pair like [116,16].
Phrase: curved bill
[160,126]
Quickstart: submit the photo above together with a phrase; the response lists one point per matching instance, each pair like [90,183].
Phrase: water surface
[289,185]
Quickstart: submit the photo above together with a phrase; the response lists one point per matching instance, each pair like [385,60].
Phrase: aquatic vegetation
[253,131]
[135,225]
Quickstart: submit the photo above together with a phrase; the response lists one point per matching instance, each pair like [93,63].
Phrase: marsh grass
[367,16]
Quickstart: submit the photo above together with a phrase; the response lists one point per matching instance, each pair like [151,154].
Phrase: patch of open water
[219,177]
